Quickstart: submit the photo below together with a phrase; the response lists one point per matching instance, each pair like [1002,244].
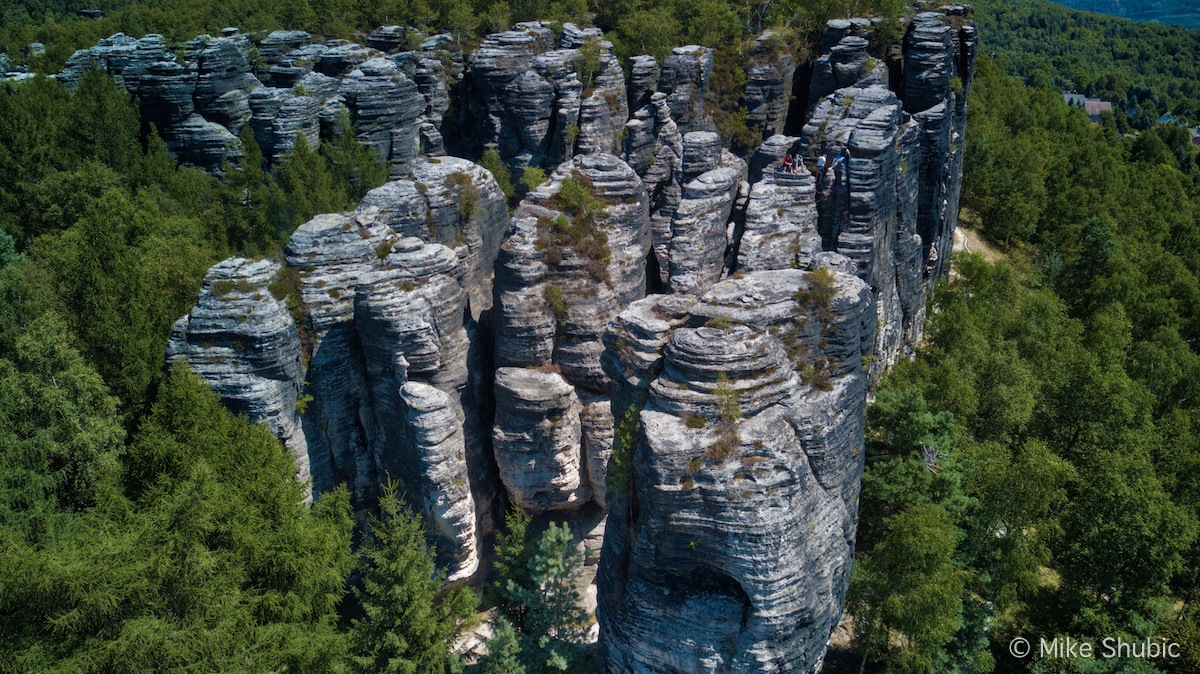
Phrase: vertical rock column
[242,341]
[328,255]
[728,545]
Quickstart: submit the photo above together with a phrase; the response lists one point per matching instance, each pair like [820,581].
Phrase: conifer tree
[405,628]
[553,623]
[513,555]
[504,651]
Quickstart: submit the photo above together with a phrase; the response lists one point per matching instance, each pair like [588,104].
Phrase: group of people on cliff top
[830,174]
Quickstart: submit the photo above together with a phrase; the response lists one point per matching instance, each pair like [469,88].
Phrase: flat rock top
[423,397]
[532,385]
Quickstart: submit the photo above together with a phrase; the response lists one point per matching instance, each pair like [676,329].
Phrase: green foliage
[492,162]
[909,588]
[1149,67]
[729,412]
[577,230]
[8,249]
[123,279]
[60,436]
[588,66]
[818,296]
[286,288]
[556,302]
[531,177]
[1044,418]
[553,626]
[303,186]
[504,651]
[719,323]
[620,464]
[468,195]
[513,555]
[354,167]
[208,557]
[405,626]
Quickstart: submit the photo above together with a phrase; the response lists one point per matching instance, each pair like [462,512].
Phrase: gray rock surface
[437,438]
[643,80]
[224,81]
[537,436]
[699,233]
[737,555]
[384,105]
[780,229]
[684,78]
[554,299]
[768,91]
[646,360]
[534,102]
[242,340]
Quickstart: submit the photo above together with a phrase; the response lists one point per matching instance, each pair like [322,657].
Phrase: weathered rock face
[199,104]
[539,103]
[898,189]
[224,82]
[699,235]
[780,229]
[386,371]
[384,105]
[768,90]
[243,342]
[437,440]
[729,542]
[684,78]
[730,548]
[538,437]
[563,275]
[665,346]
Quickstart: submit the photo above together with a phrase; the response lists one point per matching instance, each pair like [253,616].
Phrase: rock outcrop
[768,92]
[539,103]
[366,355]
[243,341]
[730,531]
[729,547]
[666,346]
[684,78]
[201,102]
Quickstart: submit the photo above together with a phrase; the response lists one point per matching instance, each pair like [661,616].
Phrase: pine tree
[504,651]
[513,555]
[251,229]
[302,186]
[214,564]
[405,628]
[553,624]
[354,166]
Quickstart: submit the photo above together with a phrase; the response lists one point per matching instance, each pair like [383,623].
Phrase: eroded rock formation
[665,345]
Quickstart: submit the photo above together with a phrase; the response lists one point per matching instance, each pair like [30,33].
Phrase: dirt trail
[972,242]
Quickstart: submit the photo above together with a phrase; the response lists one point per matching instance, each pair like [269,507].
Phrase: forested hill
[1149,66]
[1179,12]
[1039,456]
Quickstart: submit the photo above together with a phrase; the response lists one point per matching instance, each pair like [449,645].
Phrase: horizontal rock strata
[665,346]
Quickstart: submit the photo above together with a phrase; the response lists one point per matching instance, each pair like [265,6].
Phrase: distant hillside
[1179,12]
[1146,67]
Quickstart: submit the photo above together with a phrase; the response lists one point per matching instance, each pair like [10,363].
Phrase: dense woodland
[1033,471]
[1146,69]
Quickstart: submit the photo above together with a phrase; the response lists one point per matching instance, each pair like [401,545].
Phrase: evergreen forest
[1033,470]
